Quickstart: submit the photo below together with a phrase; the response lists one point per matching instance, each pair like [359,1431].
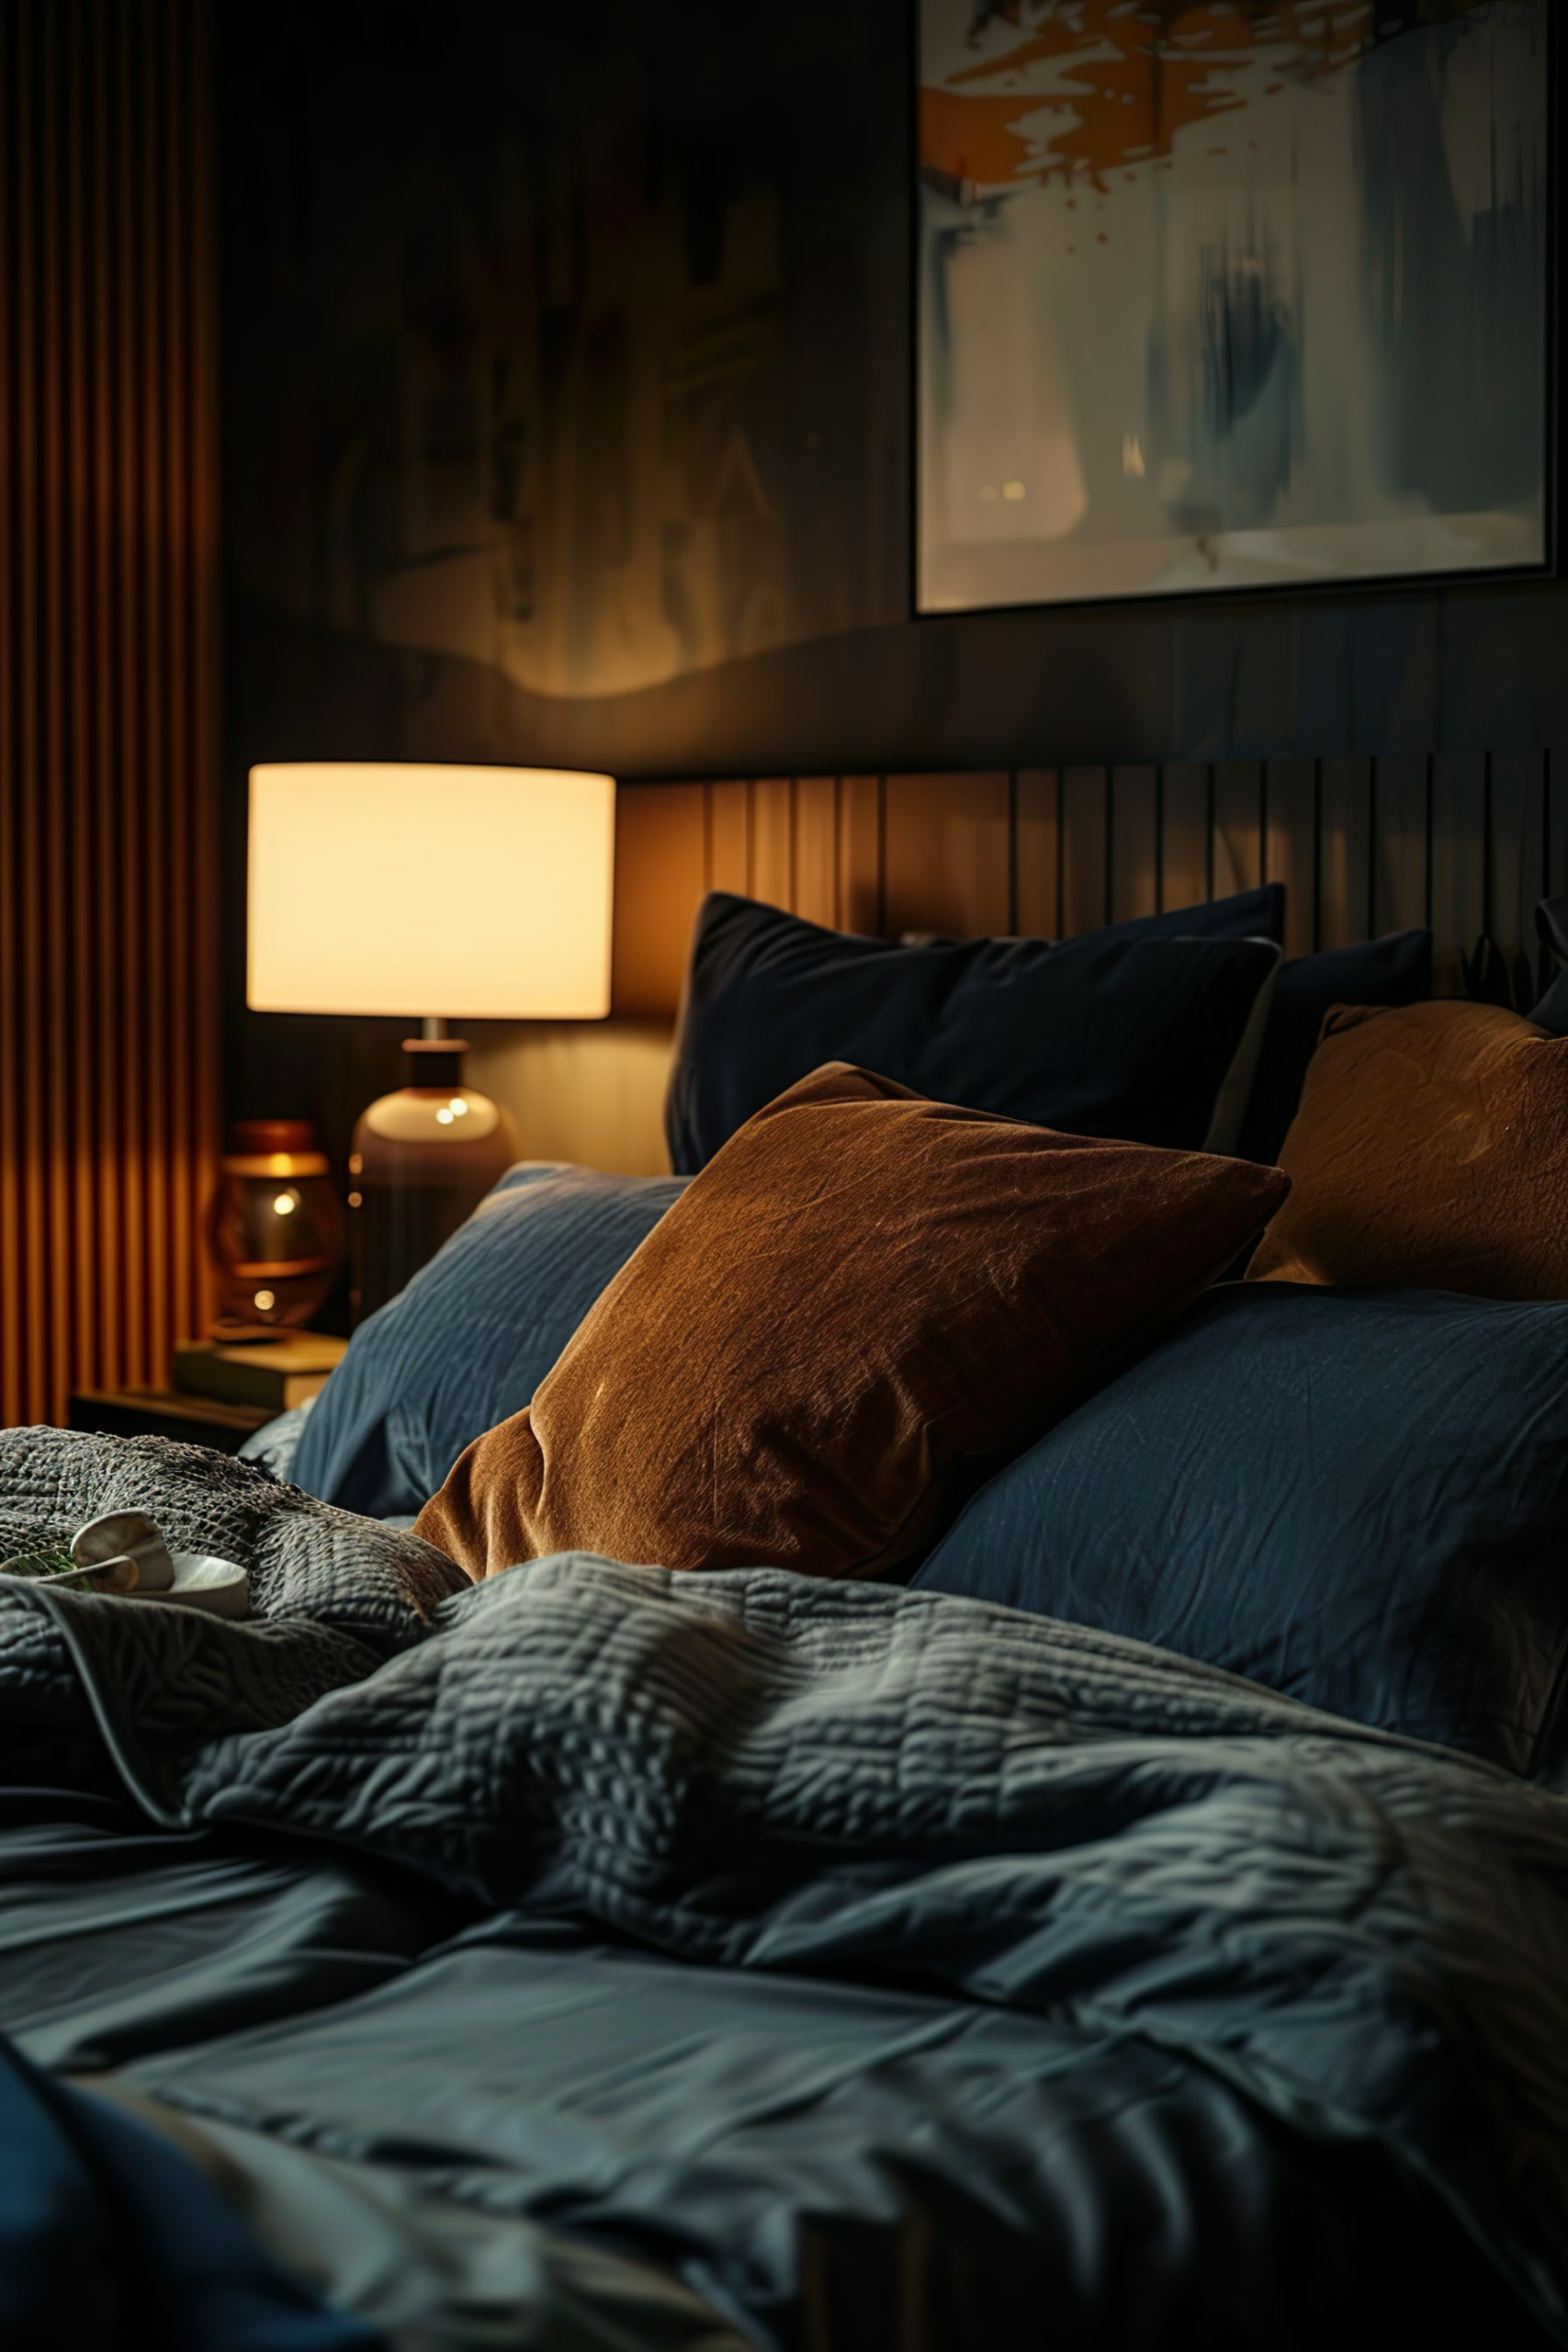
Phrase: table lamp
[480,892]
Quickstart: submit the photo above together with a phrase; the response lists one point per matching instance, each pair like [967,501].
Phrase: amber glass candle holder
[277,1228]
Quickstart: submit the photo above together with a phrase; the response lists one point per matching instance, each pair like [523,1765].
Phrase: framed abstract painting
[1230,297]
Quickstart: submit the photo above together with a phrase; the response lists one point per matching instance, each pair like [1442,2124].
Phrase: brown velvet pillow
[1430,1152]
[863,1302]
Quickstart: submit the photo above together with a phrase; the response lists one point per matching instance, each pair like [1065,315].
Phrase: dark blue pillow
[1393,970]
[467,1342]
[1551,1012]
[1127,1032]
[1357,1497]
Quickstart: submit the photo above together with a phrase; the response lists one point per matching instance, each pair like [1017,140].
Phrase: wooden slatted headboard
[1468,843]
[1465,842]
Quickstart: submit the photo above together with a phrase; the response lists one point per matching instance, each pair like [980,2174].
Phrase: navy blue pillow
[1359,1498]
[1551,929]
[1127,1032]
[467,1342]
[1551,1012]
[1393,970]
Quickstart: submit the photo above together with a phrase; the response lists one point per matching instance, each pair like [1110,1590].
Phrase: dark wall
[567,396]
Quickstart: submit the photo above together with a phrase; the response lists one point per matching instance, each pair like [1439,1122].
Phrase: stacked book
[281,1369]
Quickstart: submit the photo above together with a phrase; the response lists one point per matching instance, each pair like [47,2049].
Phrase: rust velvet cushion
[864,1303]
[1430,1152]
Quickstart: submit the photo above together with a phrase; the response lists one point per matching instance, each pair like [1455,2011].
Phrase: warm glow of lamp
[484,892]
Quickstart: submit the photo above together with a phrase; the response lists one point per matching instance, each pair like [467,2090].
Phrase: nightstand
[165,1412]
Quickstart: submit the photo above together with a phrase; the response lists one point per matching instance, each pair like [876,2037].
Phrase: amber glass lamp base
[421,1162]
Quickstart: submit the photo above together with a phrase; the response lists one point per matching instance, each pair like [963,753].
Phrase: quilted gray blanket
[1367,1938]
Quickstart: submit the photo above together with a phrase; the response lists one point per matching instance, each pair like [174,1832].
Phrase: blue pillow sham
[1359,1499]
[470,1340]
[1128,1032]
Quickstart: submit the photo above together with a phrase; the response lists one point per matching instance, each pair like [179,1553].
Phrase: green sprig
[48,1561]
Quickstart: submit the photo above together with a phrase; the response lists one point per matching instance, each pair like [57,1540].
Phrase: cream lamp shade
[484,893]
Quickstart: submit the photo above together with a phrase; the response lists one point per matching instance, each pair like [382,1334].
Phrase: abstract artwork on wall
[1226,297]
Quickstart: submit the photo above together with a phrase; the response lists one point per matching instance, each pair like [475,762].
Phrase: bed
[594,1955]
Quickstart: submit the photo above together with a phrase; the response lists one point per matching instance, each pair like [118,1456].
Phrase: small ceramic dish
[124,1556]
[204,1581]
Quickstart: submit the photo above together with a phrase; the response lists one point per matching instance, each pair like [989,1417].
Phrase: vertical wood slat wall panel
[1290,847]
[772,842]
[860,854]
[1554,827]
[816,849]
[947,854]
[1037,853]
[1133,843]
[1554,841]
[1235,861]
[1519,854]
[109,966]
[728,838]
[1362,846]
[1343,851]
[1458,863]
[1402,849]
[1086,824]
[1186,865]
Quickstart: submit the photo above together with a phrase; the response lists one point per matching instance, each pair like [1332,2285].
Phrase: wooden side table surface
[166,1412]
